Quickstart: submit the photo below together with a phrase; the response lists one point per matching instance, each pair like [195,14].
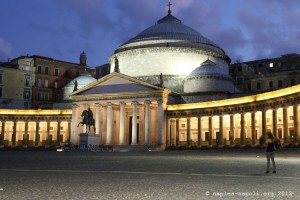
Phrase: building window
[46,96]
[38,96]
[0,92]
[27,81]
[26,95]
[249,87]
[206,136]
[46,83]
[258,86]
[39,82]
[271,65]
[46,70]
[292,82]
[56,84]
[239,80]
[56,97]
[280,83]
[39,71]
[56,72]
[26,104]
[270,84]
[67,73]
[1,78]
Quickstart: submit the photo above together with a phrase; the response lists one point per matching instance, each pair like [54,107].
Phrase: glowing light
[35,112]
[235,101]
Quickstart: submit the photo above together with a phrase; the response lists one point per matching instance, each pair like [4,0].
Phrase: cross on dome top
[169,4]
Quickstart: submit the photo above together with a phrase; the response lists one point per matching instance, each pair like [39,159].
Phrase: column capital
[134,102]
[122,103]
[147,102]
[74,105]
[108,103]
[97,105]
[159,101]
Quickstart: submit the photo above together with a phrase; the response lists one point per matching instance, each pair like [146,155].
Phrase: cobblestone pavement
[200,174]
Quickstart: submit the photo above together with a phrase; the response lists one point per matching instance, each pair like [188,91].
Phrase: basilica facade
[169,86]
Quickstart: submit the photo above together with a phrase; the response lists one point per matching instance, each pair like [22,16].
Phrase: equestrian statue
[88,120]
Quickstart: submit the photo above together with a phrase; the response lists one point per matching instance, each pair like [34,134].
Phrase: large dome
[168,47]
[169,31]
[82,80]
[208,77]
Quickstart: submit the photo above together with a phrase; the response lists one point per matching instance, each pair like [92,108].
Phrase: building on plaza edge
[169,87]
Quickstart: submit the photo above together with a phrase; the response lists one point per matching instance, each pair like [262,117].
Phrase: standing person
[270,152]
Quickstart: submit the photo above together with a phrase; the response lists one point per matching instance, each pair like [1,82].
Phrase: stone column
[134,123]
[97,120]
[48,135]
[160,124]
[168,133]
[231,136]
[74,133]
[188,131]
[177,132]
[122,123]
[109,123]
[68,132]
[199,131]
[253,128]
[147,122]
[14,135]
[37,135]
[2,134]
[274,120]
[242,137]
[210,128]
[285,125]
[263,122]
[25,143]
[221,130]
[296,124]
[104,124]
[58,134]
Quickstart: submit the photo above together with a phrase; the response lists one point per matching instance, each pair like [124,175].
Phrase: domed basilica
[180,54]
[169,86]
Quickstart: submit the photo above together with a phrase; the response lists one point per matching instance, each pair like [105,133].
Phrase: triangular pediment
[116,83]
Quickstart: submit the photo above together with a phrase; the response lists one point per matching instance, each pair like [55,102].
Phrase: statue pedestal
[87,139]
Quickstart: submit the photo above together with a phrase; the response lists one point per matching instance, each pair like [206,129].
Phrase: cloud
[5,49]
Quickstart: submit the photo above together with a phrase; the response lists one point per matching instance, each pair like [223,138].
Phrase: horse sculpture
[88,120]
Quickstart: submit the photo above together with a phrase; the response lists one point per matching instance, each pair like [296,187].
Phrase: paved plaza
[198,174]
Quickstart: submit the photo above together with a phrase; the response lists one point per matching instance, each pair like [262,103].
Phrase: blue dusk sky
[62,29]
